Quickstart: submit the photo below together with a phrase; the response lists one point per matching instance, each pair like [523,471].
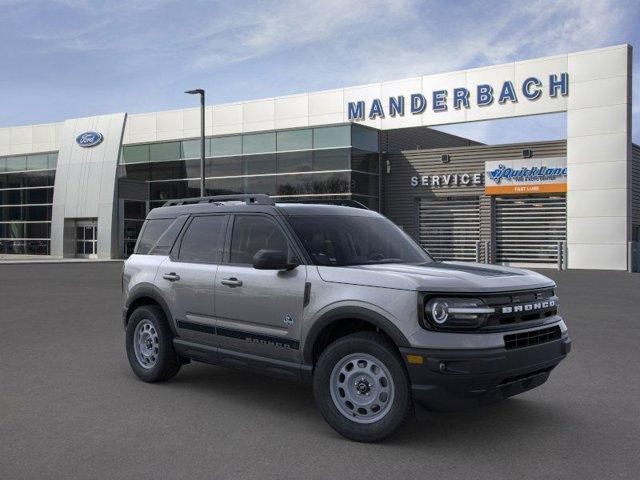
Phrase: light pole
[200,91]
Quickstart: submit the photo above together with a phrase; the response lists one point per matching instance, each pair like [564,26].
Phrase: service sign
[522,176]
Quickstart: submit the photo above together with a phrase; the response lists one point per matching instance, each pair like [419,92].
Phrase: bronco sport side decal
[255,338]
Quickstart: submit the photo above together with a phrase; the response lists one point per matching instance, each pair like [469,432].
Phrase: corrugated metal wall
[402,200]
[635,190]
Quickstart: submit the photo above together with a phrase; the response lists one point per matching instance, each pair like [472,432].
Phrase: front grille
[516,299]
[533,337]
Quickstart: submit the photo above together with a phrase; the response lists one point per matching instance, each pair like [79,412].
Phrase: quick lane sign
[543,175]
[482,95]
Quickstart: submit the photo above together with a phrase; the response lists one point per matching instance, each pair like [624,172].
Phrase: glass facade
[26,196]
[337,162]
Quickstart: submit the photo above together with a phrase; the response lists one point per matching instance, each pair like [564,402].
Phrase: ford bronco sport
[337,296]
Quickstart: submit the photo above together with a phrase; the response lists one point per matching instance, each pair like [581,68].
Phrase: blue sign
[525,174]
[531,89]
[89,139]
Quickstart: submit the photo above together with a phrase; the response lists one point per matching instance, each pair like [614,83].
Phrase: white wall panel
[597,120]
[608,174]
[295,106]
[598,93]
[596,230]
[597,148]
[598,256]
[596,203]
[44,133]
[21,135]
[599,63]
[326,102]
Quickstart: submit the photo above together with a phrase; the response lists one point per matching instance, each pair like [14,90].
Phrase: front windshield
[341,240]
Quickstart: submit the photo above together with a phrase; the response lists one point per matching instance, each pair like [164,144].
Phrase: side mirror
[272,260]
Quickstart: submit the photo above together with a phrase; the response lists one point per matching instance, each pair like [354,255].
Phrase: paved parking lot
[71,408]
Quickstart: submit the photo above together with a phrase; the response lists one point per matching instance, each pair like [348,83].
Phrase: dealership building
[82,187]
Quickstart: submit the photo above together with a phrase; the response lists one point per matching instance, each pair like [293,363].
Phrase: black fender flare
[351,312]
[148,290]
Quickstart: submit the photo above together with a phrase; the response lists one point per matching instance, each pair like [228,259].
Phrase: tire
[373,379]
[153,359]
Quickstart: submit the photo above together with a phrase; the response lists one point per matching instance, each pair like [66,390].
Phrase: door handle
[172,277]
[231,282]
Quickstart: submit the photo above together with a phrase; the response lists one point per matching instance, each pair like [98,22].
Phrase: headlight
[456,312]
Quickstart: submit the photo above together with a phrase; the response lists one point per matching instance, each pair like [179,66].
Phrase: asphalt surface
[71,408]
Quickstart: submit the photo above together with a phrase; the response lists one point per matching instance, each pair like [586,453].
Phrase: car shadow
[283,400]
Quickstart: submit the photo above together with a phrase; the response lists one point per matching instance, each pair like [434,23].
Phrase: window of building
[252,233]
[204,239]
[16,164]
[263,184]
[331,137]
[224,146]
[295,140]
[339,159]
[259,164]
[38,162]
[223,166]
[259,143]
[295,162]
[162,152]
[191,148]
[364,138]
[135,154]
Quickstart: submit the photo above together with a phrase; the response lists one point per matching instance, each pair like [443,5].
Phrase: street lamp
[200,91]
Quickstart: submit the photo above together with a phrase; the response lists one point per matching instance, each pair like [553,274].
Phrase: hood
[437,277]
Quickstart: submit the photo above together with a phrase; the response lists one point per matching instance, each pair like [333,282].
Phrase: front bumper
[450,380]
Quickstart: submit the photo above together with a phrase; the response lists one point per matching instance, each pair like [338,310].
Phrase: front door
[259,311]
[86,238]
[187,278]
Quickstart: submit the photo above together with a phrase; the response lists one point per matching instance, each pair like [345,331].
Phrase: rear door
[187,277]
[259,311]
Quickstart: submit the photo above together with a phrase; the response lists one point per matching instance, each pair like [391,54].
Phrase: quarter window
[252,233]
[151,233]
[204,239]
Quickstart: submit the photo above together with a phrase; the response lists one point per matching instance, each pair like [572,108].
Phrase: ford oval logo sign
[89,139]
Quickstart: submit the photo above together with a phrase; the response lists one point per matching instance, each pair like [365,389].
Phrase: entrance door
[450,227]
[259,311]
[87,239]
[528,229]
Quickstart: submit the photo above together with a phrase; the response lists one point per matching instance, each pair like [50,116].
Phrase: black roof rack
[258,199]
[345,202]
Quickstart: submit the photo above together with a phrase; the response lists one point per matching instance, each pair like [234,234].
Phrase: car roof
[284,208]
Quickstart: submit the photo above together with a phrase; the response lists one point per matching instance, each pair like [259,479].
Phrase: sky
[74,58]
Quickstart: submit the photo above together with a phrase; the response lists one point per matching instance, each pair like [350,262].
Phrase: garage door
[528,229]
[449,228]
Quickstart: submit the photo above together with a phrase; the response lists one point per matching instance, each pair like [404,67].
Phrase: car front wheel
[361,387]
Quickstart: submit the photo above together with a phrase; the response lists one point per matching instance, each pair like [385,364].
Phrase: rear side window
[204,240]
[151,232]
[168,238]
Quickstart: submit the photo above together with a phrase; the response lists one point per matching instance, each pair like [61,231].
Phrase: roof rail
[346,202]
[258,198]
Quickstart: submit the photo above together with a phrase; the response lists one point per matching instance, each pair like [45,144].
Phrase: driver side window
[252,233]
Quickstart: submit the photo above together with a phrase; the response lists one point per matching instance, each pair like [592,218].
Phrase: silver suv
[339,297]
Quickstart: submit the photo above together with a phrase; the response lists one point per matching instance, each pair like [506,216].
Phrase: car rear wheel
[150,345]
[361,387]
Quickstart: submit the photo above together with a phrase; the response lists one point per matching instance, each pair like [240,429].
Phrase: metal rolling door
[449,228]
[528,229]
